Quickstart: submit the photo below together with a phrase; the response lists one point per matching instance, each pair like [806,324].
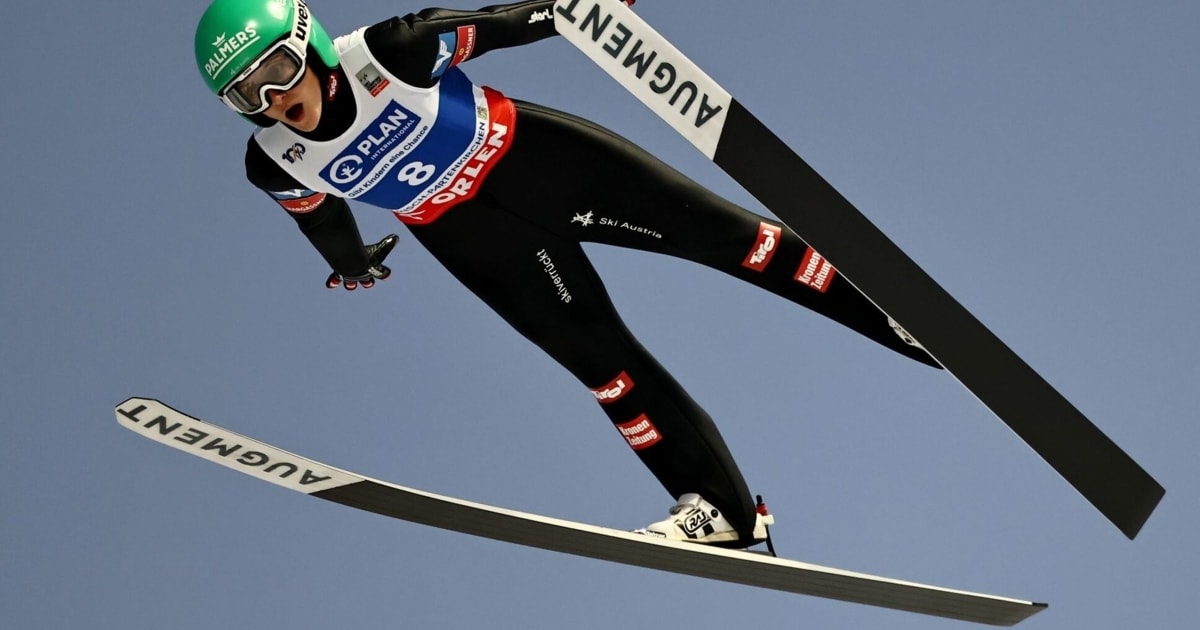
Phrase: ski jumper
[503,193]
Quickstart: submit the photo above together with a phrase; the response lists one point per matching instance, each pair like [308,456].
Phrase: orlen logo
[764,247]
[615,390]
[479,165]
[640,433]
[815,271]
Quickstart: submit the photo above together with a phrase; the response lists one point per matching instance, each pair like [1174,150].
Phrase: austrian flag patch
[640,433]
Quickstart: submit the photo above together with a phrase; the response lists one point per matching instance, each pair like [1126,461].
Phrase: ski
[154,420]
[660,76]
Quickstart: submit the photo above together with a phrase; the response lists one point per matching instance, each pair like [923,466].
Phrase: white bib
[415,151]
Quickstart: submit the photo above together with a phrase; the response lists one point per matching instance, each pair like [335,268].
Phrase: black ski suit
[516,245]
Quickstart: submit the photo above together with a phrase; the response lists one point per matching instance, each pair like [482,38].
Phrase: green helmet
[233,34]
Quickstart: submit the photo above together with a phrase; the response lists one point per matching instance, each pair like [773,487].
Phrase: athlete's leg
[544,286]
[608,190]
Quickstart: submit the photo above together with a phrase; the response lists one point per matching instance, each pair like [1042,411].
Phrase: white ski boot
[693,519]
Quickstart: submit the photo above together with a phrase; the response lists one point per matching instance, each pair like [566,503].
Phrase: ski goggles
[280,67]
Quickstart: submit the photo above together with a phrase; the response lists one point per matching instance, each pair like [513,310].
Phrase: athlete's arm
[324,219]
[419,47]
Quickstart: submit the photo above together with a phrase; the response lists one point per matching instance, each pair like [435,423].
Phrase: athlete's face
[299,107]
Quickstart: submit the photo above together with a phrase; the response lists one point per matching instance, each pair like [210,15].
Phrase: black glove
[376,270]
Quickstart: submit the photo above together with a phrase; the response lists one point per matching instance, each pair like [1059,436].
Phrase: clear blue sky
[1038,159]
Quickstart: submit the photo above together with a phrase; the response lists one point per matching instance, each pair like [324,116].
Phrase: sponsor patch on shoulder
[371,78]
[298,200]
[454,48]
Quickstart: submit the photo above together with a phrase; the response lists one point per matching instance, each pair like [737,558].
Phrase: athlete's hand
[376,270]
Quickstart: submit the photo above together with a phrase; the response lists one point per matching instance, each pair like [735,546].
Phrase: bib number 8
[416,173]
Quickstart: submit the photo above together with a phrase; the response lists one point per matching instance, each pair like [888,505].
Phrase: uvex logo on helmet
[300,25]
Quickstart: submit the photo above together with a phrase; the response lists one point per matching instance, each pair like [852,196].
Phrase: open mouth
[295,113]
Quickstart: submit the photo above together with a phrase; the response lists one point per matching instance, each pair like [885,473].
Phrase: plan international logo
[370,151]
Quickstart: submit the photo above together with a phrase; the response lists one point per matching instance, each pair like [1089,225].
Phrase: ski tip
[1135,516]
[138,399]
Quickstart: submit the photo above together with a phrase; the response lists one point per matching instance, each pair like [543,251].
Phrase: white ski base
[156,421]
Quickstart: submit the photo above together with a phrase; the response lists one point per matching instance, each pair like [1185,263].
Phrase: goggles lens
[280,68]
